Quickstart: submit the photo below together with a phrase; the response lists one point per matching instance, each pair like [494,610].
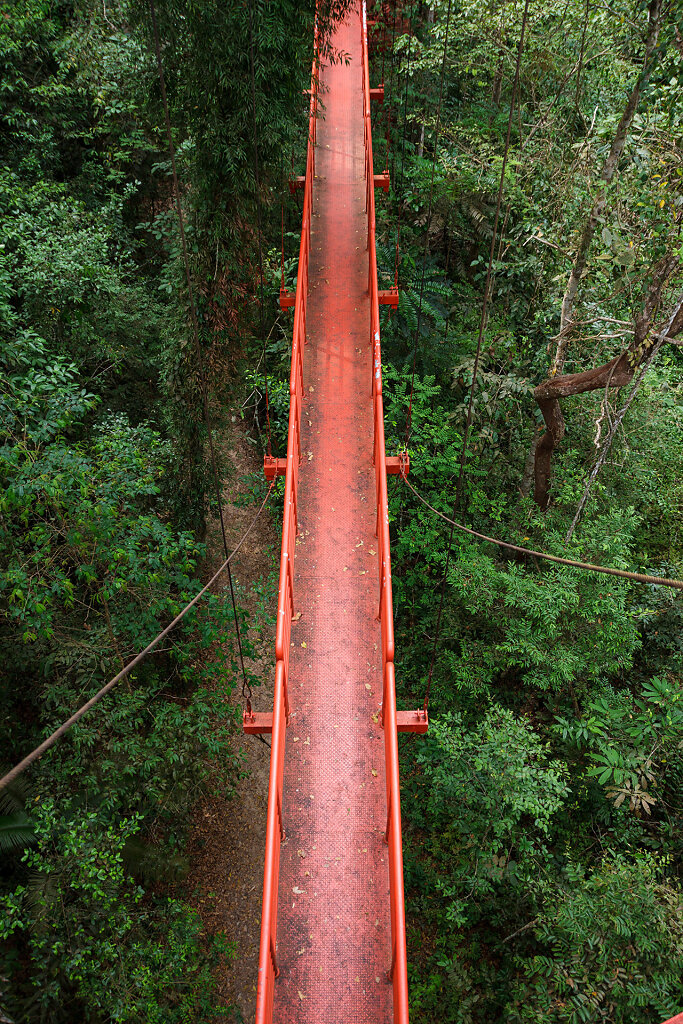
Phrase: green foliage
[631,740]
[591,667]
[613,950]
[103,493]
[91,932]
[556,629]
[16,828]
[488,795]
[543,813]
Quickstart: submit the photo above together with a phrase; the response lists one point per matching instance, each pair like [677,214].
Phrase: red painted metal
[256,722]
[382,180]
[678,1019]
[287,299]
[389,297]
[268,968]
[398,465]
[412,721]
[273,467]
[399,963]
[339,947]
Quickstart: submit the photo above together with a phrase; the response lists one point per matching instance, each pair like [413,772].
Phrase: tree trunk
[421,144]
[614,374]
[599,204]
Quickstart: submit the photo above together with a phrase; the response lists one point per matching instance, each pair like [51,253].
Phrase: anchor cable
[197,345]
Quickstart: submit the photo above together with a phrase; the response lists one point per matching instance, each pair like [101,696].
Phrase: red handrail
[268,969]
[399,965]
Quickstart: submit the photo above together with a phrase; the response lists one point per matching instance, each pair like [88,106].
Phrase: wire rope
[636,577]
[478,353]
[65,726]
[246,688]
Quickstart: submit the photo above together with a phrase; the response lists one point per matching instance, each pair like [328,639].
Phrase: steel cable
[636,577]
[59,732]
[246,688]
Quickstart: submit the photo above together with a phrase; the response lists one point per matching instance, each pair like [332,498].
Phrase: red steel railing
[268,969]
[399,967]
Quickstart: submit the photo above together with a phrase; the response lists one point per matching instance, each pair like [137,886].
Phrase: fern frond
[16,832]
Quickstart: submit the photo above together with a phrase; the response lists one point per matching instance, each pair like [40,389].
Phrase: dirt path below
[227,837]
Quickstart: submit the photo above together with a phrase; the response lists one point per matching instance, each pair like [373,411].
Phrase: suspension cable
[64,728]
[482,322]
[257,181]
[637,577]
[429,221]
[489,269]
[246,688]
[405,101]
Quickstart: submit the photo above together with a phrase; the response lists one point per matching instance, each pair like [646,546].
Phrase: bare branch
[675,323]
[600,202]
[616,373]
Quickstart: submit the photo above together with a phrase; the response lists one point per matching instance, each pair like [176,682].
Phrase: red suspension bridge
[333,943]
[333,927]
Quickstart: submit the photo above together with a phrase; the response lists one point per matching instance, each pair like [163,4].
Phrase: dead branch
[614,374]
[674,325]
[600,202]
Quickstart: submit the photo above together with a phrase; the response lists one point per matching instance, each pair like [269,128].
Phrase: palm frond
[16,832]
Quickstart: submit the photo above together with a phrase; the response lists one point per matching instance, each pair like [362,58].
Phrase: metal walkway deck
[333,930]
[334,944]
